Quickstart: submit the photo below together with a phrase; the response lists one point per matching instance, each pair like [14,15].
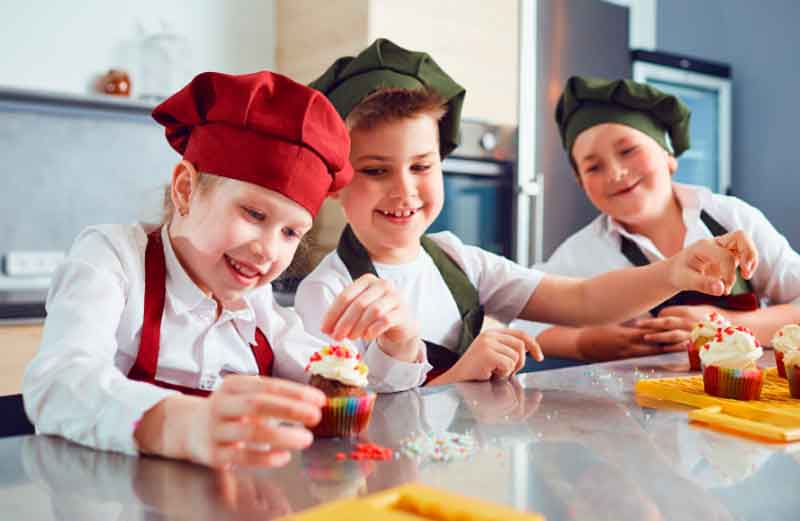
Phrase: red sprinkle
[367,451]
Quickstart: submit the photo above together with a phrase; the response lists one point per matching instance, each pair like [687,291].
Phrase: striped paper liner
[345,416]
[779,363]
[694,356]
[793,374]
[740,384]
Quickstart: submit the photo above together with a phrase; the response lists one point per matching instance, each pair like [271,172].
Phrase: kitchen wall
[760,41]
[61,46]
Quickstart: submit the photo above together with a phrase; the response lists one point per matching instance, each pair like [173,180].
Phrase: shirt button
[208,382]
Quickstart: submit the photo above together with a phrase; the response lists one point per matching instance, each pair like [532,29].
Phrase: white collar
[186,296]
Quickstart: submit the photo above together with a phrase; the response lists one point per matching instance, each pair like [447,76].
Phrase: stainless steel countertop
[569,443]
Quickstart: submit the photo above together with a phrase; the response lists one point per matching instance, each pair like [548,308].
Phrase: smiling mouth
[399,213]
[245,271]
[627,189]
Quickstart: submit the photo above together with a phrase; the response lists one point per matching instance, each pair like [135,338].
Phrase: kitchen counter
[570,443]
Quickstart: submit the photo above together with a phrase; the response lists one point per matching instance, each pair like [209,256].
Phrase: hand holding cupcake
[339,372]
[729,364]
[702,333]
[785,340]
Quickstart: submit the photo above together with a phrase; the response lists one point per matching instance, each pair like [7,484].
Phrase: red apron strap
[155,290]
[262,351]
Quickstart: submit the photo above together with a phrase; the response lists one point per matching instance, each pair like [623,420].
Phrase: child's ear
[184,181]
[672,164]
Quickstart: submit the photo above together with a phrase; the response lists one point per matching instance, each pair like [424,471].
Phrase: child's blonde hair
[394,104]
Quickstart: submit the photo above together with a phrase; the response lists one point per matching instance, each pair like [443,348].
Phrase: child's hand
[371,308]
[243,421]
[496,352]
[709,265]
[616,341]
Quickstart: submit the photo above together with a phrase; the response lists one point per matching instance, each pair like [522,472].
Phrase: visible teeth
[398,213]
[242,269]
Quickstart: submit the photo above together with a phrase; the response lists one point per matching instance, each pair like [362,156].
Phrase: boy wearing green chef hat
[403,113]
[623,139]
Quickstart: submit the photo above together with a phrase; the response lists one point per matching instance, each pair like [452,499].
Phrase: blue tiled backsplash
[68,164]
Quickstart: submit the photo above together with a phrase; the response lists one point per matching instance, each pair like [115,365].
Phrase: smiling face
[397,190]
[235,236]
[625,173]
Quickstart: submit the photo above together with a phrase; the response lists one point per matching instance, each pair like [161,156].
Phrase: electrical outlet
[32,263]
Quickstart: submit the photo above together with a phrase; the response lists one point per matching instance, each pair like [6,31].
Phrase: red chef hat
[262,128]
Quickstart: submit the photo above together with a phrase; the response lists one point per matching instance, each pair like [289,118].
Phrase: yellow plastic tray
[413,502]
[776,416]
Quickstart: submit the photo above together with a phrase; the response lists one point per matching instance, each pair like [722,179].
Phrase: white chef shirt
[595,249]
[76,385]
[504,288]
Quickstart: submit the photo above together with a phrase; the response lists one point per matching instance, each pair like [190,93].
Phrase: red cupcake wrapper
[793,375]
[779,363]
[694,356]
[345,416]
[733,383]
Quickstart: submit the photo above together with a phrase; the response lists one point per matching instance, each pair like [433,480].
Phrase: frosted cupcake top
[340,363]
[731,348]
[708,327]
[787,338]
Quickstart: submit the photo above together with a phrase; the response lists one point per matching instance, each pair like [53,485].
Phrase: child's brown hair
[395,104]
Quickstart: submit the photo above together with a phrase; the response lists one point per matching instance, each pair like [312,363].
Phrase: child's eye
[628,150]
[372,172]
[291,233]
[591,169]
[254,214]
[421,168]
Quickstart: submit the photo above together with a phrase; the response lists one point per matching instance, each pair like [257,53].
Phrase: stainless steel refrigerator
[558,39]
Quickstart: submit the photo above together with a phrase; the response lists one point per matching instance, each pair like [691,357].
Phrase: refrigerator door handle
[531,190]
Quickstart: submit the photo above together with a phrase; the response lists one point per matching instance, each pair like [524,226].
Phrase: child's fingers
[667,337]
[343,300]
[375,315]
[248,384]
[390,319]
[743,248]
[531,345]
[239,405]
[663,323]
[516,344]
[504,360]
[358,307]
[262,432]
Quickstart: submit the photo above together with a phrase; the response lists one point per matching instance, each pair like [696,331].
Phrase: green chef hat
[587,102]
[387,65]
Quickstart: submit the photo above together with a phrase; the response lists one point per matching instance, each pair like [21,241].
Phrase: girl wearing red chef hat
[145,321]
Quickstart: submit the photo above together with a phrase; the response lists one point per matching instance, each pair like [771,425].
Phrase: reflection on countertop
[570,443]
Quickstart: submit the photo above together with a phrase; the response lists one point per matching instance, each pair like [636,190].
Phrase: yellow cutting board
[775,416]
[413,502]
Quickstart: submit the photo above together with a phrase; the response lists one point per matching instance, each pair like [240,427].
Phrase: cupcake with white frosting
[791,362]
[341,374]
[702,333]
[786,339]
[729,363]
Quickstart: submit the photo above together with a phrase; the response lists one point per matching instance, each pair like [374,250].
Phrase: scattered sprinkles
[337,351]
[367,451]
[445,446]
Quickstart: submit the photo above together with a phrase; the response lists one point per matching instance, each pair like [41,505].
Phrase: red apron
[155,291]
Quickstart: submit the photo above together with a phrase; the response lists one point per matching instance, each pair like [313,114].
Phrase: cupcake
[729,365]
[791,361]
[339,372]
[702,333]
[786,339]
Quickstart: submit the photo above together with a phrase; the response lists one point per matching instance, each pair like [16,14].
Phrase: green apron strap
[463,291]
[741,285]
[354,255]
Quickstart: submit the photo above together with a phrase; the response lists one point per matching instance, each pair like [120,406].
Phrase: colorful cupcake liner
[779,363]
[738,384]
[345,416]
[793,375]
